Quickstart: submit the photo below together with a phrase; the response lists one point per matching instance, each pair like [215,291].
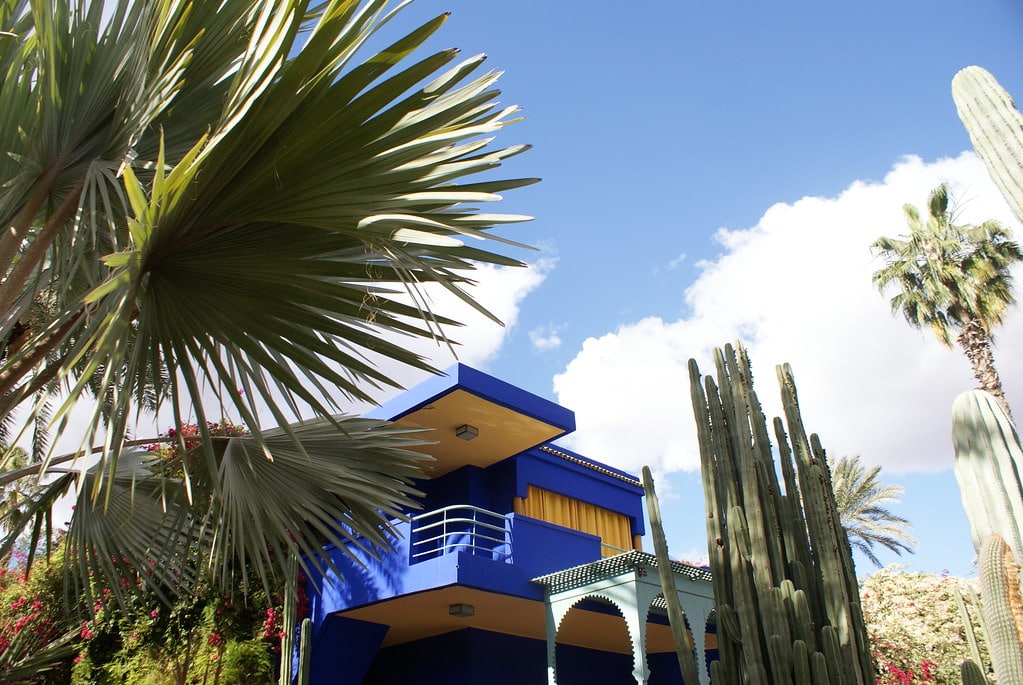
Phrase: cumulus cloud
[546,338]
[500,290]
[796,288]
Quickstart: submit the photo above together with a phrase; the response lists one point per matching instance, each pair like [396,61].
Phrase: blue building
[524,565]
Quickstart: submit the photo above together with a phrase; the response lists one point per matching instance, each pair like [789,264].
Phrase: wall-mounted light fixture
[462,610]
[467,432]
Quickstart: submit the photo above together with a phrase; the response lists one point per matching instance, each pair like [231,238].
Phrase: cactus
[996,130]
[972,675]
[676,616]
[784,583]
[1003,608]
[971,634]
[305,650]
[988,464]
[289,619]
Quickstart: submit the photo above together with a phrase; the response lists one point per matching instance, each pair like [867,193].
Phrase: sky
[716,171]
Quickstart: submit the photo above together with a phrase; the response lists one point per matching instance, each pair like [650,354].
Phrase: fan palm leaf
[237,206]
[344,487]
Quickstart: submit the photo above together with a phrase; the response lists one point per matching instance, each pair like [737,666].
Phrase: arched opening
[593,645]
[660,646]
[710,639]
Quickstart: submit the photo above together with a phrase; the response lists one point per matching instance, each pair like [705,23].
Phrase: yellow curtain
[613,528]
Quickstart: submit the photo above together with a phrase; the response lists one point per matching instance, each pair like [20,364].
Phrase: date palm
[954,279]
[230,207]
[862,499]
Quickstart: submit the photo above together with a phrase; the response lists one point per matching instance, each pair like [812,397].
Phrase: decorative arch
[630,582]
[612,609]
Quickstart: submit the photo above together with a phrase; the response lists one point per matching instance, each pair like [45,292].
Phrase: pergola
[629,581]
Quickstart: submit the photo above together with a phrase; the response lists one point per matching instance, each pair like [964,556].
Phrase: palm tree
[860,497]
[230,207]
[953,278]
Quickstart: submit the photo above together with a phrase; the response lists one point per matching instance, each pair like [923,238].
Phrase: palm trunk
[976,343]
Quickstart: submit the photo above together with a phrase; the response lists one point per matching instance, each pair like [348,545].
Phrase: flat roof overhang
[425,614]
[508,420]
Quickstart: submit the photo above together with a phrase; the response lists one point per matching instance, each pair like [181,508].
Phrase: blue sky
[718,170]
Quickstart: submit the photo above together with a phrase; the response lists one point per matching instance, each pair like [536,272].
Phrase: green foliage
[784,584]
[911,620]
[246,663]
[201,637]
[37,634]
[861,496]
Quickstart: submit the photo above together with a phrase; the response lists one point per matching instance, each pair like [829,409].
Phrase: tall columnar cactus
[988,464]
[305,651]
[288,621]
[972,673]
[785,591]
[971,634]
[676,616]
[996,130]
[1003,608]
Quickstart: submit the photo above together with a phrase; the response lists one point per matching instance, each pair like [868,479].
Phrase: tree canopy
[954,279]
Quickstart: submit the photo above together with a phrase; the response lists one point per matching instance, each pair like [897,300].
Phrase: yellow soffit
[501,432]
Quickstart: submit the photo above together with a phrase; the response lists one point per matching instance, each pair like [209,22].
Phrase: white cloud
[498,289]
[677,261]
[796,288]
[546,338]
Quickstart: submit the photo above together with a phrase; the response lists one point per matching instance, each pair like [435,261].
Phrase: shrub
[913,622]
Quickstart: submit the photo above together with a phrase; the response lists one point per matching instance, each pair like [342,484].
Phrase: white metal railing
[460,527]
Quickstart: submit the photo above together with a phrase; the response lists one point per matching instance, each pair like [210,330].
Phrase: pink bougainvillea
[913,623]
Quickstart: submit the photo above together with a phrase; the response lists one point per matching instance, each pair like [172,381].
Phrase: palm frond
[860,497]
[28,657]
[343,487]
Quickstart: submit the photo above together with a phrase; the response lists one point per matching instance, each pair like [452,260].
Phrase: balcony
[459,545]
